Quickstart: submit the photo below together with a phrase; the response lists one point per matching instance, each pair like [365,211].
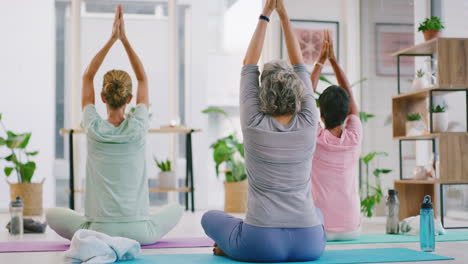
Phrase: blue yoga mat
[384,238]
[375,255]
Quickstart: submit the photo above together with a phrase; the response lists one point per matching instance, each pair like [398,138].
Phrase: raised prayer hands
[116,27]
[123,36]
[270,6]
[324,51]
[331,50]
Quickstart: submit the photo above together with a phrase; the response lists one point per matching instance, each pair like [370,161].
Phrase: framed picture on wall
[310,36]
[391,38]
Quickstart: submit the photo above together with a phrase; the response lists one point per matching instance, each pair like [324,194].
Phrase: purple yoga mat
[48,246]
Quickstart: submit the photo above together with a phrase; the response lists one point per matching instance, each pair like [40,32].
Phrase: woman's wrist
[267,12]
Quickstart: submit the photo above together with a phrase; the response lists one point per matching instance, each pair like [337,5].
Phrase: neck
[115,116]
[336,131]
[283,119]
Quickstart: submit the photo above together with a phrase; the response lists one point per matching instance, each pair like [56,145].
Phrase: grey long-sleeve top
[278,158]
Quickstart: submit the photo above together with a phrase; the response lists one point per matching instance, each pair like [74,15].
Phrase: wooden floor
[189,226]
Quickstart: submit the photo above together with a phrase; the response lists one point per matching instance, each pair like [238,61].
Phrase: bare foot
[217,251]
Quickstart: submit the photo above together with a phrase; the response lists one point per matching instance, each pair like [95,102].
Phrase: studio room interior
[234,131]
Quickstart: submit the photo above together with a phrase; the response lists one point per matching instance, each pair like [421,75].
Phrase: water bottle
[16,212]
[426,234]
[393,215]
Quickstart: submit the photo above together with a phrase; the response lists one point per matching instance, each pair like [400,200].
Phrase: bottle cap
[427,203]
[392,192]
[17,203]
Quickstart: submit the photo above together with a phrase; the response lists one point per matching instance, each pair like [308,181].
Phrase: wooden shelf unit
[452,76]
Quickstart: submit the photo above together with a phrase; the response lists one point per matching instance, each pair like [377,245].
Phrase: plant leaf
[324,79]
[25,142]
[27,171]
[2,141]
[32,153]
[14,141]
[358,82]
[215,110]
[8,170]
[0,116]
[11,158]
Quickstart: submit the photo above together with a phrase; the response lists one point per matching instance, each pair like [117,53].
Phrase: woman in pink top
[334,170]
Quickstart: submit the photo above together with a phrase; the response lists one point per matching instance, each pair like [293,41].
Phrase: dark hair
[334,106]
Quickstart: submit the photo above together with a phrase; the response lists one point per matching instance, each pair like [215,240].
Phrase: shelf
[424,93]
[417,181]
[151,190]
[428,47]
[432,136]
[160,190]
[166,130]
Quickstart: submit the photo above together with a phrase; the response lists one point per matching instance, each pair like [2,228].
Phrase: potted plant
[439,119]
[19,162]
[167,176]
[420,82]
[229,153]
[371,195]
[414,125]
[431,27]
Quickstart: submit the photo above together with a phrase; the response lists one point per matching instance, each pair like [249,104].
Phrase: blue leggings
[244,242]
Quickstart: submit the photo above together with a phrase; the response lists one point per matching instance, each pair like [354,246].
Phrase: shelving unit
[451,147]
[189,189]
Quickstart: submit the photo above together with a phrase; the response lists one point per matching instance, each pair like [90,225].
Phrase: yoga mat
[375,255]
[48,246]
[384,238]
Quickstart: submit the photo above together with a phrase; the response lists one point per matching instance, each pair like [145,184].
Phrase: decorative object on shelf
[373,193]
[420,82]
[389,39]
[19,162]
[229,151]
[310,36]
[393,212]
[439,119]
[414,125]
[431,28]
[167,176]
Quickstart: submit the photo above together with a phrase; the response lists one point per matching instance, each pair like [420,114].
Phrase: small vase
[439,122]
[415,128]
[420,83]
[431,34]
[235,196]
[167,180]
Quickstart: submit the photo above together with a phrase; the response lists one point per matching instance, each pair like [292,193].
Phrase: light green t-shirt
[116,180]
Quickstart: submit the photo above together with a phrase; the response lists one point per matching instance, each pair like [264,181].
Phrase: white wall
[27,97]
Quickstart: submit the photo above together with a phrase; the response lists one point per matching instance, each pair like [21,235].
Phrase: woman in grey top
[279,122]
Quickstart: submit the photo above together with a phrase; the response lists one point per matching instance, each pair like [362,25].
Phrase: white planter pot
[415,128]
[167,180]
[439,122]
[420,83]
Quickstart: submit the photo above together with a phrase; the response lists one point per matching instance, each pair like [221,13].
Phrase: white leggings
[343,236]
[66,222]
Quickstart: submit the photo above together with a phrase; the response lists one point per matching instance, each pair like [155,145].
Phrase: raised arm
[256,43]
[341,77]
[87,91]
[292,44]
[142,92]
[317,71]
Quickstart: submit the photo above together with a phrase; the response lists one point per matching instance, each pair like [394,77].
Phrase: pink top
[334,176]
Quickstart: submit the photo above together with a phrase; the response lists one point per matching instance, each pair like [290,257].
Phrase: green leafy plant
[19,159]
[228,151]
[365,117]
[373,193]
[413,117]
[437,109]
[420,73]
[432,23]
[163,165]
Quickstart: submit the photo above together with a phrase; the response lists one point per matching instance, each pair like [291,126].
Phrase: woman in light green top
[116,200]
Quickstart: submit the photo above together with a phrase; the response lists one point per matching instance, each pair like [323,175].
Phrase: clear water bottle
[16,212]
[427,234]
[393,212]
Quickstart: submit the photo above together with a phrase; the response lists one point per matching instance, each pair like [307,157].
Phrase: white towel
[410,226]
[92,247]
